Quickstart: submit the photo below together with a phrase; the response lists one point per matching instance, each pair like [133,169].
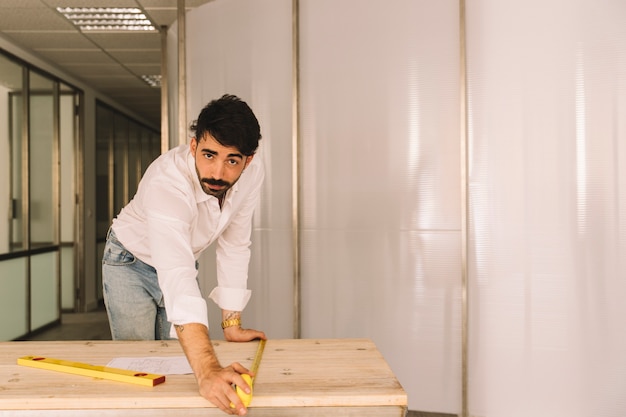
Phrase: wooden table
[303,377]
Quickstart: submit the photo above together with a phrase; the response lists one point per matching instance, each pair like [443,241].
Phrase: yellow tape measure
[104,372]
[247,398]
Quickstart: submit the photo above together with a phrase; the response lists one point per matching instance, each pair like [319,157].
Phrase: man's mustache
[213,181]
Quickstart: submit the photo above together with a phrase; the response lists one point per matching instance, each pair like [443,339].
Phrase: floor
[77,326]
[95,326]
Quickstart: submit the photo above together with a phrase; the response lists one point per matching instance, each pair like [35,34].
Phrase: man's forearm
[195,341]
[214,382]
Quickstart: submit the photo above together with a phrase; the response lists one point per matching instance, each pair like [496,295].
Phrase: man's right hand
[217,387]
[214,382]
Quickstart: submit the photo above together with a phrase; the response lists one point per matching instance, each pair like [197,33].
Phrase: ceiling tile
[145,97]
[118,40]
[51,39]
[162,17]
[92,70]
[121,82]
[172,3]
[140,70]
[137,56]
[20,4]
[63,57]
[40,18]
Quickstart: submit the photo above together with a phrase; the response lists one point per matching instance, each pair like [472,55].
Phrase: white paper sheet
[169,365]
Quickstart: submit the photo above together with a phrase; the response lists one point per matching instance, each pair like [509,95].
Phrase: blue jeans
[132,295]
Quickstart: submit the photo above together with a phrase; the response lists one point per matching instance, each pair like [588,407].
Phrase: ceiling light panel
[108,19]
[152,80]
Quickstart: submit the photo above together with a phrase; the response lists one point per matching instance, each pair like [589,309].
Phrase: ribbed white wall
[381,205]
[381,188]
[244,48]
[380,173]
[547,89]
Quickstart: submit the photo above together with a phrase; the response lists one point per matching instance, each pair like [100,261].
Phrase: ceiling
[111,63]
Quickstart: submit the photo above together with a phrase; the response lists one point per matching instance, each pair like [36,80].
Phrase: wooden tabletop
[296,377]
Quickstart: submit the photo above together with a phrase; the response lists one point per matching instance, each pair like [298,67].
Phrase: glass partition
[104,171]
[104,145]
[134,157]
[11,110]
[124,149]
[13,298]
[19,194]
[38,197]
[43,177]
[120,167]
[44,289]
[43,183]
[68,147]
[68,142]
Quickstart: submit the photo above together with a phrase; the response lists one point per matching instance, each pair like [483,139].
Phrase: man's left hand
[237,334]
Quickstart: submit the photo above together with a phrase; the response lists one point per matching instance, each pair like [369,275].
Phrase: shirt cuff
[233,299]
[187,309]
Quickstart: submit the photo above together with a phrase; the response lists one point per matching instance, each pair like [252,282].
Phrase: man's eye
[208,156]
[233,162]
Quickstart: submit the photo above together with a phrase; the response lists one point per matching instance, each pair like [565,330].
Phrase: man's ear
[193,144]
[248,160]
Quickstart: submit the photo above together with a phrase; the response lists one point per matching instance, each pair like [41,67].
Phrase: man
[188,198]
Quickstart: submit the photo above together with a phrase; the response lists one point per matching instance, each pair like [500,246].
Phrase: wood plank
[387,411]
[306,374]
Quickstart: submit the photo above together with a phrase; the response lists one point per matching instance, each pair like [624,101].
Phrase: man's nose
[218,170]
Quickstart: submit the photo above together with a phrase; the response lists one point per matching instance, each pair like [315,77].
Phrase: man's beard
[205,182]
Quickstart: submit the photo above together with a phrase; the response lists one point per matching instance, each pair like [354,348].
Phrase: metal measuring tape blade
[247,398]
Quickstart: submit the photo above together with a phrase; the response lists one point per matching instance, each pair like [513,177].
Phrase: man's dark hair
[231,122]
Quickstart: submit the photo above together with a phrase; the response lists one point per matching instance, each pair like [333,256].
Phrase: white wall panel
[547,89]
[381,198]
[381,185]
[244,48]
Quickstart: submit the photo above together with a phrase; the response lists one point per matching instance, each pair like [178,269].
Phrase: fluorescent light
[108,18]
[152,80]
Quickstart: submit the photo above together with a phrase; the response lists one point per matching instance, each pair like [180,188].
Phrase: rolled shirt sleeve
[233,299]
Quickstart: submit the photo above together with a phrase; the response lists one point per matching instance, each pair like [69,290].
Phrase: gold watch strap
[230,323]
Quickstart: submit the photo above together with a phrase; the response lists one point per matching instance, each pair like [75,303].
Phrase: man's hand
[214,382]
[237,334]
[217,387]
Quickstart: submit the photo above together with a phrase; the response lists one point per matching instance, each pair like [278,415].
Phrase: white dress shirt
[171,220]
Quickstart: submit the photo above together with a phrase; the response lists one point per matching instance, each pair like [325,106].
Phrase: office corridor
[77,326]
